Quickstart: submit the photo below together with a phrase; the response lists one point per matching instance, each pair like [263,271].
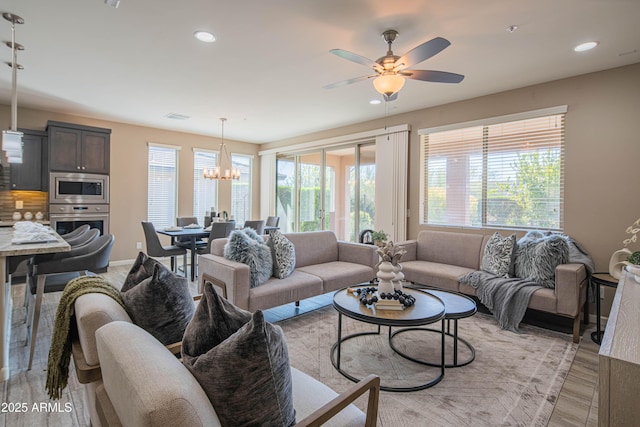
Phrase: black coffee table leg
[335,361]
[456,339]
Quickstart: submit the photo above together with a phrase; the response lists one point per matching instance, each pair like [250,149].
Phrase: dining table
[190,234]
[9,248]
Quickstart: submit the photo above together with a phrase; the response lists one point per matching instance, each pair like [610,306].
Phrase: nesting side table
[601,279]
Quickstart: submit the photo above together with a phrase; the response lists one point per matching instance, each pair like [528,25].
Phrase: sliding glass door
[323,190]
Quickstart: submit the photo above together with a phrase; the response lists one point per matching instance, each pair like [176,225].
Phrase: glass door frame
[322,151]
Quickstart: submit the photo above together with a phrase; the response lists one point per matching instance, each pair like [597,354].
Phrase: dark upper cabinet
[28,175]
[77,148]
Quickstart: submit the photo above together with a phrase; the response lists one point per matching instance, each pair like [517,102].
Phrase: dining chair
[219,230]
[155,248]
[51,274]
[257,225]
[181,221]
[272,221]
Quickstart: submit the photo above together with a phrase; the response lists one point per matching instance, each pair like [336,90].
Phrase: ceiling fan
[391,70]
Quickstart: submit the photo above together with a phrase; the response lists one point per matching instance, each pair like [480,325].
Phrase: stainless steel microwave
[65,187]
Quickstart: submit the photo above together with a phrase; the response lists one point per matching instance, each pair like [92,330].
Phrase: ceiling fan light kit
[388,84]
[392,70]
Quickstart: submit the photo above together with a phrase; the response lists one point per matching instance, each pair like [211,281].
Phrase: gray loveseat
[323,264]
[440,258]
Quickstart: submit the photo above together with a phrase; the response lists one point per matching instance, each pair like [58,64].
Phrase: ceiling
[266,71]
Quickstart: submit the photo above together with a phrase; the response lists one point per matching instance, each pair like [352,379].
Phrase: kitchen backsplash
[33,201]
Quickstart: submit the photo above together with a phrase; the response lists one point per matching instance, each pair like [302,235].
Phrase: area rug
[514,380]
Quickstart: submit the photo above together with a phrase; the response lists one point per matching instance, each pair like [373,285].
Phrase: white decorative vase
[399,277]
[17,216]
[385,276]
[618,261]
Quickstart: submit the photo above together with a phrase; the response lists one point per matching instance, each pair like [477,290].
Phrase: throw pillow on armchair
[241,361]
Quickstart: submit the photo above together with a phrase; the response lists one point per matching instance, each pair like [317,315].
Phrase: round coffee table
[427,309]
[457,306]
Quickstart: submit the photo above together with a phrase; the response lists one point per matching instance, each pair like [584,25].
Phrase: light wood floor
[577,404]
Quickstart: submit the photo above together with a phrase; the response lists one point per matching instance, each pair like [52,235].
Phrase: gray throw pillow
[283,253]
[161,304]
[214,320]
[499,255]
[247,376]
[247,247]
[141,269]
[538,257]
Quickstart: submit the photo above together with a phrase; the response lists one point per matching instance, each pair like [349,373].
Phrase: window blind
[241,189]
[205,191]
[498,175]
[162,190]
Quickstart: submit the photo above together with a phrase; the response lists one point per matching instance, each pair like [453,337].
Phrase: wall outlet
[601,292]
[19,204]
[138,245]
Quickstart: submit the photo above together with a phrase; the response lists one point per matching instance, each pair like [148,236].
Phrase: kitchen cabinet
[77,148]
[28,175]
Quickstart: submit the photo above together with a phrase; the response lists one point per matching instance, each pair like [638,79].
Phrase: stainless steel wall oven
[66,218]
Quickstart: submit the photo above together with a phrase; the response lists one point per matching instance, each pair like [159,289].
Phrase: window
[505,173]
[205,191]
[241,189]
[162,190]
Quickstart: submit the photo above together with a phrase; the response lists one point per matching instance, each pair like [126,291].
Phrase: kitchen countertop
[11,223]
[9,249]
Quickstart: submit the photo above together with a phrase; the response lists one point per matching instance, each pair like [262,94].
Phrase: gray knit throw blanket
[60,352]
[507,299]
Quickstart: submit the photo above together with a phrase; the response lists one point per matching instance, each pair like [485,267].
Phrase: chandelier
[229,174]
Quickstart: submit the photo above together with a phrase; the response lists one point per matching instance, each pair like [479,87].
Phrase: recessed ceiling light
[375,102]
[204,36]
[585,46]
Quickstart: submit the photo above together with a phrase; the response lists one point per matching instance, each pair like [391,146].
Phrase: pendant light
[12,139]
[216,174]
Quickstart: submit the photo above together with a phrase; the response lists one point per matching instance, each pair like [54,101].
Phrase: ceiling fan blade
[422,52]
[355,58]
[433,76]
[348,82]
[392,97]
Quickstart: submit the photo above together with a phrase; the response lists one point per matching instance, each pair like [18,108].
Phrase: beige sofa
[323,264]
[439,259]
[144,384]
